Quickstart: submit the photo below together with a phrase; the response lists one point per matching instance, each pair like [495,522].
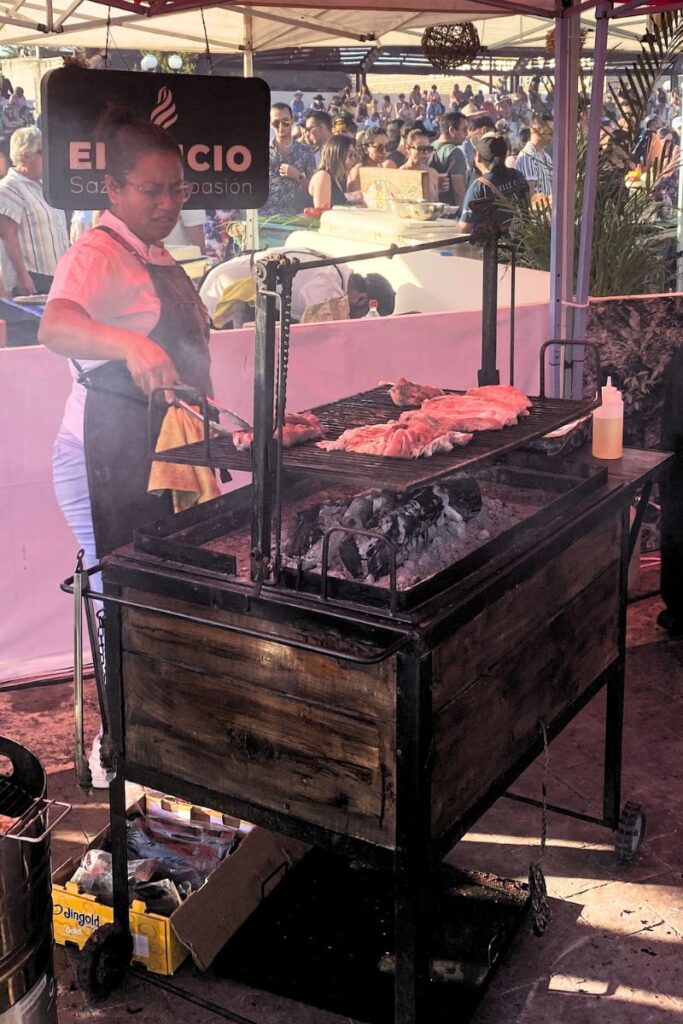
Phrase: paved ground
[613,952]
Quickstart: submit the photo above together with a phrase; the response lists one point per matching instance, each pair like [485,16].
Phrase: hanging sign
[221,126]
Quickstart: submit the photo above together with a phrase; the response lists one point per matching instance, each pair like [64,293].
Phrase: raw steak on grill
[504,394]
[418,435]
[404,393]
[298,427]
[466,412]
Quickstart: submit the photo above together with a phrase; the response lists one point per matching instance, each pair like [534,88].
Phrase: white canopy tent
[178,26]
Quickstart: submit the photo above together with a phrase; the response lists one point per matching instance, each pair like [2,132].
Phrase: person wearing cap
[345,124]
[477,125]
[534,162]
[318,102]
[495,182]
[297,105]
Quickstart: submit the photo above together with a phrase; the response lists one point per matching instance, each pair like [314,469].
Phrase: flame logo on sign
[164,114]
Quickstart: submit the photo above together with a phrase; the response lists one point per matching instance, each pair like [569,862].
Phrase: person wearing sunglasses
[373,151]
[420,152]
[291,164]
[32,233]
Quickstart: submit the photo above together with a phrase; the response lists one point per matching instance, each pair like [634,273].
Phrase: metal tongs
[205,403]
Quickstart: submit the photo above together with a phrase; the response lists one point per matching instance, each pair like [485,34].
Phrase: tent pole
[567,47]
[679,232]
[590,179]
[252,236]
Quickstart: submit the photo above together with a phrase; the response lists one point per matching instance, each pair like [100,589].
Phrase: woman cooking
[131,321]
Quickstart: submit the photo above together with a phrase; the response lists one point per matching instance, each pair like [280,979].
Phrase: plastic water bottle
[373,310]
[608,424]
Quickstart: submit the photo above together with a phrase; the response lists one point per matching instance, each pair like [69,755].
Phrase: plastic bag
[184,852]
[94,874]
[160,897]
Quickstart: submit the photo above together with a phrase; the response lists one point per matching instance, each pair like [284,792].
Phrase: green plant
[628,256]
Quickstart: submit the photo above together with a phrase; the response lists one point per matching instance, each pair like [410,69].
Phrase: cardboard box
[207,918]
[380,185]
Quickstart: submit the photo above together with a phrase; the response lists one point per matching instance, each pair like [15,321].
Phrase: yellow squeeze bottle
[608,424]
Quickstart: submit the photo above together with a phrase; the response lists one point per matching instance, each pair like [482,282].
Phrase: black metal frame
[417,850]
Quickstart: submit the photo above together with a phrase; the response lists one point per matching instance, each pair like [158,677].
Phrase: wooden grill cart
[376,722]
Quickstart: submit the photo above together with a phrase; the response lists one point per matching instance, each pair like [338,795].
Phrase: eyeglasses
[379,146]
[284,123]
[155,193]
[422,149]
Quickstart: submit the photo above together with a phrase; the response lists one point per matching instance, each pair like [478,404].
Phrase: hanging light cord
[206,40]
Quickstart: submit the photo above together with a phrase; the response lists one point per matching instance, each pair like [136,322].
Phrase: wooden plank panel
[500,628]
[493,721]
[315,763]
[369,691]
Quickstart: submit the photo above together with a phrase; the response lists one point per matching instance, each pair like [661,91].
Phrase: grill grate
[15,802]
[546,415]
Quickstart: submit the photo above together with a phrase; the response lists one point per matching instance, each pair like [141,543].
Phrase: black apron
[116,436]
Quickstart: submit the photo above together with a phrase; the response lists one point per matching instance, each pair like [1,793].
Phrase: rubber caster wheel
[104,960]
[630,833]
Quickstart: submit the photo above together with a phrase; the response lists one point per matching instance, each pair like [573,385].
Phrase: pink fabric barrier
[327,361]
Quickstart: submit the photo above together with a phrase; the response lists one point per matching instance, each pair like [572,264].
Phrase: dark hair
[333,158]
[320,117]
[523,136]
[128,139]
[380,290]
[481,121]
[417,133]
[376,287]
[451,119]
[492,150]
[539,123]
[282,106]
[366,140]
[394,129]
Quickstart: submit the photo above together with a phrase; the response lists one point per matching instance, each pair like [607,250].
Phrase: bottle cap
[610,394]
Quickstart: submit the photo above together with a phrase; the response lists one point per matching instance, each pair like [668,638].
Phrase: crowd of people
[470,146]
[452,138]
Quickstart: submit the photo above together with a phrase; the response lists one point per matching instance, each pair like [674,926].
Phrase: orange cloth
[191,485]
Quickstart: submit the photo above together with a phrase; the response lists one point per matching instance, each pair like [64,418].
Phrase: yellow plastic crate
[77,915]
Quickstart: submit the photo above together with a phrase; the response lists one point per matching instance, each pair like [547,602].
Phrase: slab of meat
[298,427]
[410,438]
[404,393]
[467,412]
[6,823]
[504,394]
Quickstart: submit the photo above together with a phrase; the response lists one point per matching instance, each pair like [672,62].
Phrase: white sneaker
[100,778]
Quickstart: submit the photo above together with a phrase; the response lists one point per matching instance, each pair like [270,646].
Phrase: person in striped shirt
[33,235]
[534,162]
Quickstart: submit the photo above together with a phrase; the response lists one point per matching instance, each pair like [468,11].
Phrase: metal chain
[285,329]
[285,301]
[540,906]
[100,644]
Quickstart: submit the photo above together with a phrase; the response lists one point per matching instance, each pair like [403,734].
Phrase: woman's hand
[150,366]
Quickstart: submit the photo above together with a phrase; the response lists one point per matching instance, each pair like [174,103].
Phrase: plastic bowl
[416,209]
